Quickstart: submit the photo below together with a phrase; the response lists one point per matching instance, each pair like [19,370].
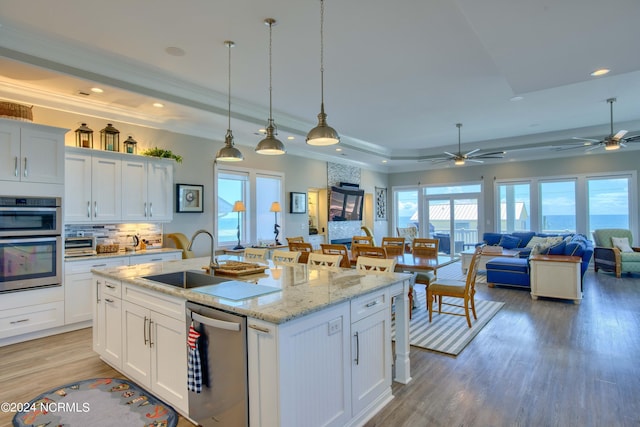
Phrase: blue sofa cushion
[492,239]
[524,236]
[508,271]
[509,264]
[509,242]
[557,249]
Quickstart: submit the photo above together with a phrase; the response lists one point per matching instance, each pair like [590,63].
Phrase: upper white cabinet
[31,153]
[92,187]
[147,190]
[114,187]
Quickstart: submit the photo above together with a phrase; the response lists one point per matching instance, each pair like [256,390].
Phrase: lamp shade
[229,153]
[238,206]
[275,207]
[323,134]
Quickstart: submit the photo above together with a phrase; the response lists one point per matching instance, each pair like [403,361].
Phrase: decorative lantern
[130,145]
[84,137]
[110,138]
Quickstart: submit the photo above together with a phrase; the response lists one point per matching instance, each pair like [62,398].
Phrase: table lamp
[238,206]
[275,208]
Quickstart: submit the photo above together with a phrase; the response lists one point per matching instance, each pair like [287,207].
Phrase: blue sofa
[515,271]
[517,240]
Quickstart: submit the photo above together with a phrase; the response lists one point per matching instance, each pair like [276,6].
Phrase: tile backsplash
[118,233]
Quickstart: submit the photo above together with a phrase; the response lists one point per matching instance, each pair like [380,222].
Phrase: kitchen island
[319,344]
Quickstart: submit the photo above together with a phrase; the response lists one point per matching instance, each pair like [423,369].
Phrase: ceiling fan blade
[586,139]
[573,147]
[618,136]
[471,152]
[594,147]
[450,154]
[489,155]
[474,160]
[633,138]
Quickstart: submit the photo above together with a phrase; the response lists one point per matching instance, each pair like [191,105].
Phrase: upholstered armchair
[613,255]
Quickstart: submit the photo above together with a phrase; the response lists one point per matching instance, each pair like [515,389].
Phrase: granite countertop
[122,253]
[303,289]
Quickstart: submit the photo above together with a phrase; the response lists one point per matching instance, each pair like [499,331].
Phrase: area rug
[446,333]
[96,402]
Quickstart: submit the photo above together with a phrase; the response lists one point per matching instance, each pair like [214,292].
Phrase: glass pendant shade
[229,153]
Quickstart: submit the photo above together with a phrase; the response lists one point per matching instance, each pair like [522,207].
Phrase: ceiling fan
[611,142]
[472,156]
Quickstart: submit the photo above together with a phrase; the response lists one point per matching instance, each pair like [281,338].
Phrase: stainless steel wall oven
[30,242]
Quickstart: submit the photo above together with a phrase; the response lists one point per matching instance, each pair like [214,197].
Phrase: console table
[556,276]
[485,256]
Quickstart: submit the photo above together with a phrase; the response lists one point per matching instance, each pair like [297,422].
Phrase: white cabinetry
[30,311]
[344,351]
[154,343]
[147,190]
[143,259]
[107,320]
[92,187]
[79,302]
[556,276]
[31,153]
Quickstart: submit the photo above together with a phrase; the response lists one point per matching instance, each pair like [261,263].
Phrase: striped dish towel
[194,367]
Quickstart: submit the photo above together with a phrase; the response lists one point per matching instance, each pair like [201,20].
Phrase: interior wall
[580,164]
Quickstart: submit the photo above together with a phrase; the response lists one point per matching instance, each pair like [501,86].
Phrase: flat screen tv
[345,204]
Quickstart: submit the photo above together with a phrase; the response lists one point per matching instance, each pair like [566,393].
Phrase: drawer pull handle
[260,328]
[108,300]
[156,259]
[110,286]
[372,303]
[19,321]
[98,265]
[144,330]
[357,360]
[150,330]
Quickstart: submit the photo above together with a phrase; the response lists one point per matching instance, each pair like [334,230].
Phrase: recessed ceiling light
[290,138]
[384,161]
[158,104]
[175,51]
[96,90]
[600,72]
[262,130]
[338,149]
[517,98]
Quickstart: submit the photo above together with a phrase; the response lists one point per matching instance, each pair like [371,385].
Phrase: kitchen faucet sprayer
[213,263]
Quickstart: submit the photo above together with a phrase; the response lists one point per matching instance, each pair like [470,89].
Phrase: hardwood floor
[537,363]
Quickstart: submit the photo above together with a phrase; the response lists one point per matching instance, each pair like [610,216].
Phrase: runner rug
[96,402]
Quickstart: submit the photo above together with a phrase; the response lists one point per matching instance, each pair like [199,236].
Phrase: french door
[452,215]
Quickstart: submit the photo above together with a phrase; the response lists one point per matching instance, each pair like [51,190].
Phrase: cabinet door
[371,359]
[169,359]
[136,358]
[77,188]
[10,163]
[106,191]
[160,191]
[78,305]
[42,156]
[112,350]
[134,190]
[99,321]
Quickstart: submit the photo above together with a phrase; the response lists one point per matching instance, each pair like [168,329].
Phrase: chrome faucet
[213,263]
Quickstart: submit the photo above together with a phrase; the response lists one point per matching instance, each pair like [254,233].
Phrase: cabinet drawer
[77,267]
[31,319]
[110,287]
[162,303]
[143,259]
[368,304]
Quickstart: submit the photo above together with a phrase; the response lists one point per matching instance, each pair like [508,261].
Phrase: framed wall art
[381,204]
[297,203]
[189,198]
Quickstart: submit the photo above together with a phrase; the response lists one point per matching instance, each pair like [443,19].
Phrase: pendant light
[322,134]
[229,153]
[270,145]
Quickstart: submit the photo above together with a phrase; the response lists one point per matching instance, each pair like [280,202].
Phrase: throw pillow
[509,242]
[621,243]
[535,240]
[557,249]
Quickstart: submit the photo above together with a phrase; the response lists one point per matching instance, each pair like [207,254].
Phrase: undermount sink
[186,279]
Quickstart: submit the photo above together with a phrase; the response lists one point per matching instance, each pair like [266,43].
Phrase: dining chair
[425,247]
[295,239]
[304,248]
[456,289]
[369,251]
[361,240]
[393,245]
[256,254]
[323,260]
[336,249]
[281,257]
[375,265]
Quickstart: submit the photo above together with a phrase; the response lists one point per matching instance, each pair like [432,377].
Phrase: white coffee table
[485,256]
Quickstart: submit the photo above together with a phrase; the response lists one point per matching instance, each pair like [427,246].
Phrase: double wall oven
[30,242]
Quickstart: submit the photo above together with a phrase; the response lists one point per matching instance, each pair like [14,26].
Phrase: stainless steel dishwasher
[223,400]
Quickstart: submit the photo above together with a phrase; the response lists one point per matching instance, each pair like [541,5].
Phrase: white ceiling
[398,75]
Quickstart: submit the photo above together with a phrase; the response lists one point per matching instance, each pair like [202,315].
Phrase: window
[406,208]
[558,206]
[258,190]
[608,203]
[514,207]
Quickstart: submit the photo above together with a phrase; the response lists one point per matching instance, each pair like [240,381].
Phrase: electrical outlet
[335,326]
